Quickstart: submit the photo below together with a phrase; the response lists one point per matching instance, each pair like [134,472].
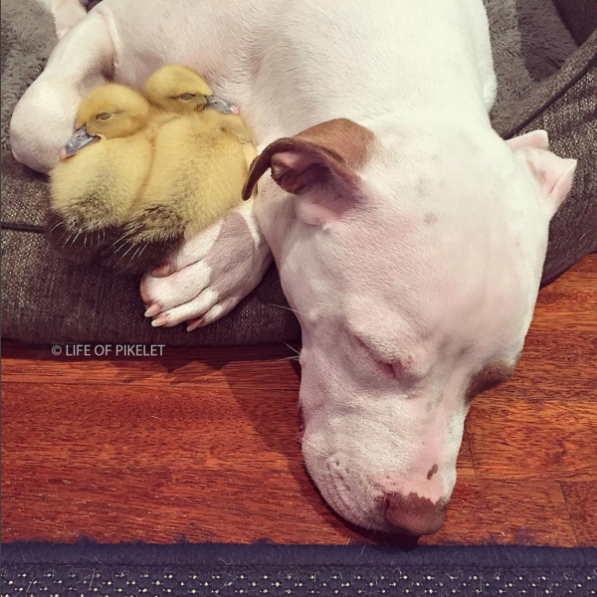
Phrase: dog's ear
[537,139]
[331,151]
[553,175]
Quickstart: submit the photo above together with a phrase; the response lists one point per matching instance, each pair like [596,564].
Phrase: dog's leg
[479,34]
[211,274]
[43,120]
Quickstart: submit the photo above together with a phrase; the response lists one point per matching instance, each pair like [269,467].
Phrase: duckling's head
[181,90]
[109,111]
[177,89]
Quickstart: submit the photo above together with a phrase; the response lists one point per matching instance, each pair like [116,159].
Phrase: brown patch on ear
[250,187]
[337,147]
[347,138]
[489,377]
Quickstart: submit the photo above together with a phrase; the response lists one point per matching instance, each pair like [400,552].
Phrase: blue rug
[89,570]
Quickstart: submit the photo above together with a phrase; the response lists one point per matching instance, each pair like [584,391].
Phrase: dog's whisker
[291,348]
[286,308]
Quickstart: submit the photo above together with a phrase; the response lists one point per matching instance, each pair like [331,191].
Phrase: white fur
[433,270]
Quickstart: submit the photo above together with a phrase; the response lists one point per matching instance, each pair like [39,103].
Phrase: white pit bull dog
[409,237]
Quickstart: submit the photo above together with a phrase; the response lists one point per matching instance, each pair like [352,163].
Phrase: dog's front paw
[210,275]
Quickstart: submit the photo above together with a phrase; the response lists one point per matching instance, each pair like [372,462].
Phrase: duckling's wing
[197,167]
[102,180]
[92,192]
[197,174]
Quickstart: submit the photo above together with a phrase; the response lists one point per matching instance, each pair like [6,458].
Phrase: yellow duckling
[105,165]
[200,163]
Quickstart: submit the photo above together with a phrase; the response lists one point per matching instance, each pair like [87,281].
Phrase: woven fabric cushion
[580,17]
[566,106]
[27,40]
[46,299]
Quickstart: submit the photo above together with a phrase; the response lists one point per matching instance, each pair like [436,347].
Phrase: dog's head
[412,259]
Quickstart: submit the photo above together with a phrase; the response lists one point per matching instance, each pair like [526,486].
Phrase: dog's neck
[359,84]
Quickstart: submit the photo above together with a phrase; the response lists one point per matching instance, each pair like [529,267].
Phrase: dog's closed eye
[392,370]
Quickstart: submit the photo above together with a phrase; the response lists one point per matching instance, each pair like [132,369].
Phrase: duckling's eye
[185,97]
[103,116]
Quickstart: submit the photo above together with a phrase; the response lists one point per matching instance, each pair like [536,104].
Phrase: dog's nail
[153,310]
[194,324]
[159,321]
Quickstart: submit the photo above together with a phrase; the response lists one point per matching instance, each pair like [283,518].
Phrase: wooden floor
[201,445]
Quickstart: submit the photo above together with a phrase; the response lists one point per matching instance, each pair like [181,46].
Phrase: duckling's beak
[213,101]
[80,139]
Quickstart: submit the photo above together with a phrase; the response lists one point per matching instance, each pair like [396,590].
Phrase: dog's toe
[163,294]
[196,308]
[216,312]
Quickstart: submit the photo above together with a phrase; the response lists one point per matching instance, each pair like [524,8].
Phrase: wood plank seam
[570,517]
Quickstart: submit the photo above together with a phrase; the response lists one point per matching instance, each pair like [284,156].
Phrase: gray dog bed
[546,59]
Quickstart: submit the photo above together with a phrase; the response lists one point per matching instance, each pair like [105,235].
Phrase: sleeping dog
[409,236]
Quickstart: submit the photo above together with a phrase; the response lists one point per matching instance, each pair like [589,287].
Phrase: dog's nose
[413,514]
